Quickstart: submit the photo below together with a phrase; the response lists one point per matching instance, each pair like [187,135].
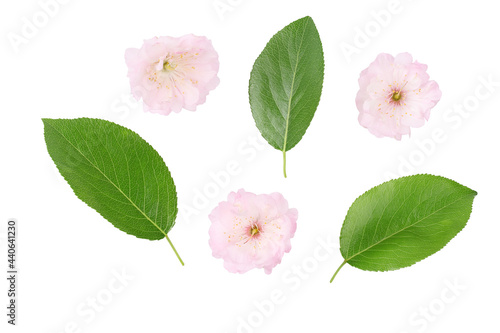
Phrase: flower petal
[230,232]
[395,94]
[170,74]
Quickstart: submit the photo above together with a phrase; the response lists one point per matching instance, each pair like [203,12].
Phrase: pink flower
[173,73]
[394,95]
[252,231]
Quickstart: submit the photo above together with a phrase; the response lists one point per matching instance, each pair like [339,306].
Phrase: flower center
[167,66]
[396,96]
[255,230]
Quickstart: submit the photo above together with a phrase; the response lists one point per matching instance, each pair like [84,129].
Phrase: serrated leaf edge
[473,193]
[284,150]
[48,123]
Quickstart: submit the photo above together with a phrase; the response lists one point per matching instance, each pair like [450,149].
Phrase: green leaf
[114,171]
[286,83]
[403,221]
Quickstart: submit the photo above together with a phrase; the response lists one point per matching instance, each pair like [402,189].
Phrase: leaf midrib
[292,86]
[397,232]
[109,180]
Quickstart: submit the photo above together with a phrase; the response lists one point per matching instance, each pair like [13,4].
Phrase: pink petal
[232,220]
[171,74]
[385,115]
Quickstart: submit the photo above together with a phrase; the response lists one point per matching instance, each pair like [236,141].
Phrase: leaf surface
[114,171]
[403,221]
[286,83]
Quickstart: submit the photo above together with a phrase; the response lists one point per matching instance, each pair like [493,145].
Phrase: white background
[74,67]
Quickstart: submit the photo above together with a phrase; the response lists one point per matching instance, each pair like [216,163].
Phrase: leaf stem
[338,269]
[284,162]
[173,248]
